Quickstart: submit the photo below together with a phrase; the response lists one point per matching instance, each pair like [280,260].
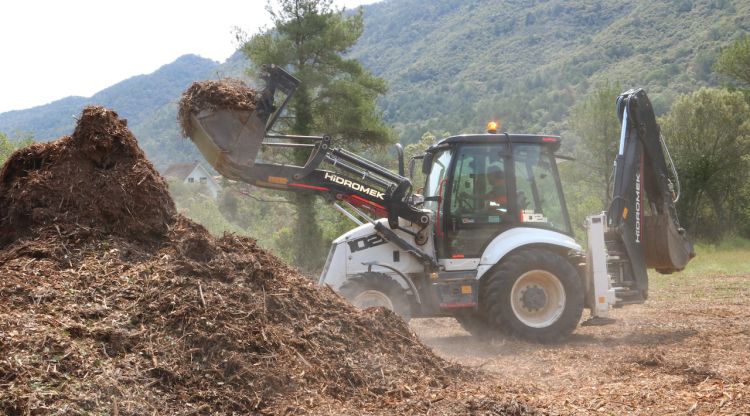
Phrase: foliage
[587,180]
[454,64]
[246,210]
[734,61]
[580,199]
[708,133]
[336,95]
[195,202]
[8,146]
[595,121]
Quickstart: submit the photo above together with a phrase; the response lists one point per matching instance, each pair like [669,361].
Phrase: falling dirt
[686,351]
[114,304]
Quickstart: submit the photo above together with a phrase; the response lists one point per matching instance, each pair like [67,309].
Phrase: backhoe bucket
[228,139]
[667,249]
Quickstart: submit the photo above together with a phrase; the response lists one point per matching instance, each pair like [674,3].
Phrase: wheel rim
[372,299]
[537,298]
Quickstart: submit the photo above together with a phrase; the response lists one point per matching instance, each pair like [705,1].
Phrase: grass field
[711,274]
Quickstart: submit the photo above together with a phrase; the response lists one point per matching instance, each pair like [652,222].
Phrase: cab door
[435,187]
[477,202]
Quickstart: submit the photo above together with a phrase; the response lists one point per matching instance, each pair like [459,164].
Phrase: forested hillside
[453,64]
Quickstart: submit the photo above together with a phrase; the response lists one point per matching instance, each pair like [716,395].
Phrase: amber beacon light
[492,127]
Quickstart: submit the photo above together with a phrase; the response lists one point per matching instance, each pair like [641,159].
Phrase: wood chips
[114,304]
[228,93]
[685,351]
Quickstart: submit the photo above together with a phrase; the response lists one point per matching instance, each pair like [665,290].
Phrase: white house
[193,173]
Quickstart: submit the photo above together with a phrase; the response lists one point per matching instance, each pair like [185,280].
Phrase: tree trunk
[309,249]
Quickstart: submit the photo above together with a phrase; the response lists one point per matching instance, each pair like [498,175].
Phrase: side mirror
[412,163]
[427,163]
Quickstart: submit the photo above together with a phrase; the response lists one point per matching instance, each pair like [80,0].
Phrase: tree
[734,61]
[8,146]
[708,133]
[336,95]
[595,121]
[419,148]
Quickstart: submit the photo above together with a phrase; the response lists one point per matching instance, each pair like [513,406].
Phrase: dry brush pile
[112,303]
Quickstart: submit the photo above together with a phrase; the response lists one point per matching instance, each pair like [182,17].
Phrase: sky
[51,49]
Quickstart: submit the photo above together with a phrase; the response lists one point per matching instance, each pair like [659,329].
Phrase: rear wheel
[371,290]
[534,294]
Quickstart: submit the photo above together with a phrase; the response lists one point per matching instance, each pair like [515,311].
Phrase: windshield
[440,162]
[538,191]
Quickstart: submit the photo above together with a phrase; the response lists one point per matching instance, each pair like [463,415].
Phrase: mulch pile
[114,304]
[95,182]
[228,93]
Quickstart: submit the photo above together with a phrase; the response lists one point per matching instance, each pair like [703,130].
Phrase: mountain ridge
[452,65]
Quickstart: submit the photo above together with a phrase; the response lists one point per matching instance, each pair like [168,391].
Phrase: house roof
[180,170]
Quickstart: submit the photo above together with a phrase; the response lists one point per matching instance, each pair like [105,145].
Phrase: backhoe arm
[642,217]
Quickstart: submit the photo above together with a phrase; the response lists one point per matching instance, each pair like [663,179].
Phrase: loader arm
[233,142]
[643,228]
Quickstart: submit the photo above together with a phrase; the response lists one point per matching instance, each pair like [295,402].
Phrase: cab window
[538,191]
[479,193]
[440,163]
[478,202]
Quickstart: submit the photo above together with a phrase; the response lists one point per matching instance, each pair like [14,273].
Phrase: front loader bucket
[228,121]
[667,249]
[228,139]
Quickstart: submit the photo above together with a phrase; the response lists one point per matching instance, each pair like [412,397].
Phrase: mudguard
[518,237]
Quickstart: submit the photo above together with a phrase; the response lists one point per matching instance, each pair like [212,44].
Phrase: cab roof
[488,138]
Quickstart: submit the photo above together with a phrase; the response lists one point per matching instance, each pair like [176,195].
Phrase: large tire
[534,294]
[370,289]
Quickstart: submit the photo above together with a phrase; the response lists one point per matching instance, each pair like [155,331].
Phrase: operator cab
[479,186]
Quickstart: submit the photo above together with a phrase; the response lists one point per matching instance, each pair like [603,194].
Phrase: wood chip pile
[114,304]
[95,182]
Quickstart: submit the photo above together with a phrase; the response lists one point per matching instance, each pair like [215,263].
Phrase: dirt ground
[685,351]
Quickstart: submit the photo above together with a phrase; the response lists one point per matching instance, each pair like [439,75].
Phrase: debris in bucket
[115,304]
[228,93]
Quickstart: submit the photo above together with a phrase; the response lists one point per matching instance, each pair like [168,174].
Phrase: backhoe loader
[489,240]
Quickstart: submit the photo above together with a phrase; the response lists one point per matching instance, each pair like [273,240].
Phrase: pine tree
[336,95]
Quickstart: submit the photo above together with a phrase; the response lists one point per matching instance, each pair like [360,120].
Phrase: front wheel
[371,290]
[534,294]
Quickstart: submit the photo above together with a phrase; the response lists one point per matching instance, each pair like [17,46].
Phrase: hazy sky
[51,49]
